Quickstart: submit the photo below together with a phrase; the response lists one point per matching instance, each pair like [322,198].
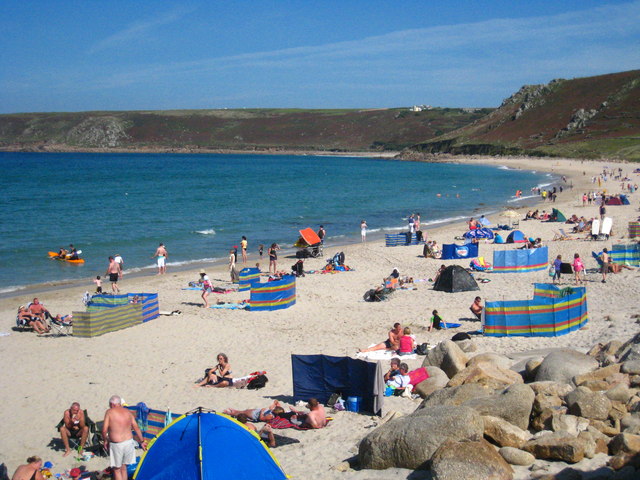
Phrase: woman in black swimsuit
[273,257]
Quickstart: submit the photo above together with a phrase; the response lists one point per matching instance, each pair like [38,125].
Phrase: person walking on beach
[161,254]
[113,272]
[243,246]
[321,234]
[557,266]
[273,258]
[235,278]
[578,268]
[207,288]
[363,231]
[606,259]
[118,440]
[118,258]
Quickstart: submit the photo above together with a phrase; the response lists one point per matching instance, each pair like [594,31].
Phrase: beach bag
[552,271]
[422,349]
[257,382]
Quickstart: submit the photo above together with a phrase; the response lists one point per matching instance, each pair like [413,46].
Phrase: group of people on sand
[315,418]
[36,316]
[398,339]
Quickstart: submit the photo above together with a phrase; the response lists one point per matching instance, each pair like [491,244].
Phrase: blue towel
[142,416]
[450,325]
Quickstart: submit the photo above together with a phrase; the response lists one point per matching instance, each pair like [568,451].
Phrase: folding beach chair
[62,326]
[561,235]
[92,444]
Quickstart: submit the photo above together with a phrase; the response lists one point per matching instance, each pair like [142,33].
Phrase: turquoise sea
[201,205]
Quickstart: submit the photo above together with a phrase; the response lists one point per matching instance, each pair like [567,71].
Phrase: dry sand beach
[158,362]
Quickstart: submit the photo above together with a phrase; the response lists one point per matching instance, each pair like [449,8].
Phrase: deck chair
[560,235]
[155,421]
[74,442]
[22,325]
[62,326]
[605,231]
[595,228]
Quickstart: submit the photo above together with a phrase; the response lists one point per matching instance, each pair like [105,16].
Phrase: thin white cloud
[137,31]
[436,46]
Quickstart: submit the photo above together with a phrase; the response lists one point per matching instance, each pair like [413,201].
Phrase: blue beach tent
[189,449]
[516,237]
[498,239]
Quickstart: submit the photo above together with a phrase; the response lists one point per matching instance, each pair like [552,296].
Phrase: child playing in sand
[98,283]
[578,268]
[435,321]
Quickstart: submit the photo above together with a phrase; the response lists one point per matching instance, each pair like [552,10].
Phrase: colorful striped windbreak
[520,261]
[626,254]
[248,276]
[634,229]
[149,301]
[106,320]
[273,295]
[552,312]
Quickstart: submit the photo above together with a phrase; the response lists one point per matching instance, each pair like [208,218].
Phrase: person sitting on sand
[255,414]
[220,375]
[30,471]
[472,223]
[391,343]
[476,308]
[401,380]
[407,343]
[74,425]
[25,316]
[394,369]
[265,433]
[439,272]
[315,418]
[435,321]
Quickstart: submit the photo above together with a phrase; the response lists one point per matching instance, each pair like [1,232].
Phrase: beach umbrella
[510,214]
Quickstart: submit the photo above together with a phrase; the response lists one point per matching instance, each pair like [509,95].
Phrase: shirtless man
[316,418]
[476,308]
[74,425]
[113,272]
[30,471]
[116,431]
[161,254]
[37,310]
[606,260]
[391,343]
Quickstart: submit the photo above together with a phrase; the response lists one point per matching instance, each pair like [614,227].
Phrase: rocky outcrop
[411,441]
[453,458]
[503,433]
[556,446]
[487,374]
[101,132]
[437,380]
[448,357]
[562,365]
[588,404]
[512,404]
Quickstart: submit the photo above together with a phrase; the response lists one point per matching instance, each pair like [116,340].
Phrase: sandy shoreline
[158,361]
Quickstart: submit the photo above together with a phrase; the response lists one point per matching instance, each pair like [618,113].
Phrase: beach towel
[280,423]
[450,325]
[384,355]
[231,306]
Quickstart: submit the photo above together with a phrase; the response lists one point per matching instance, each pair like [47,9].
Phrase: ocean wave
[503,167]
[526,197]
[12,288]
[444,220]
[211,231]
[173,264]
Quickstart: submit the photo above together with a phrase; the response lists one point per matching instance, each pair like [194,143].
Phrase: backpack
[257,382]
[422,349]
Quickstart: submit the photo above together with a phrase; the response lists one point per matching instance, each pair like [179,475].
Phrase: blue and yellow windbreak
[552,312]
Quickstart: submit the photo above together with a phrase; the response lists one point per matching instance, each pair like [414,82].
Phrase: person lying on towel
[265,433]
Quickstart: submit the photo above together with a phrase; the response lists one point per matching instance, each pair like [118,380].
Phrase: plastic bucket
[353,404]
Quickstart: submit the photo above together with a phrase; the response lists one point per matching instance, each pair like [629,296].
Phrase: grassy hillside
[590,117]
[247,129]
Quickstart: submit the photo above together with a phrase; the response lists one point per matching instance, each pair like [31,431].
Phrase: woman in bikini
[220,375]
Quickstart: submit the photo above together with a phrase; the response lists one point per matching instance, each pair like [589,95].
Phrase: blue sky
[135,55]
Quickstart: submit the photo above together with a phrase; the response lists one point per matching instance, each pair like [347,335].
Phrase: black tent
[454,279]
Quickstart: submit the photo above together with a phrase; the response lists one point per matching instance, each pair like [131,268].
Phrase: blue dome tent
[516,237]
[189,449]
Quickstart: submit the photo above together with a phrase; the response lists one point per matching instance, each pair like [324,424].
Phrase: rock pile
[478,411]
